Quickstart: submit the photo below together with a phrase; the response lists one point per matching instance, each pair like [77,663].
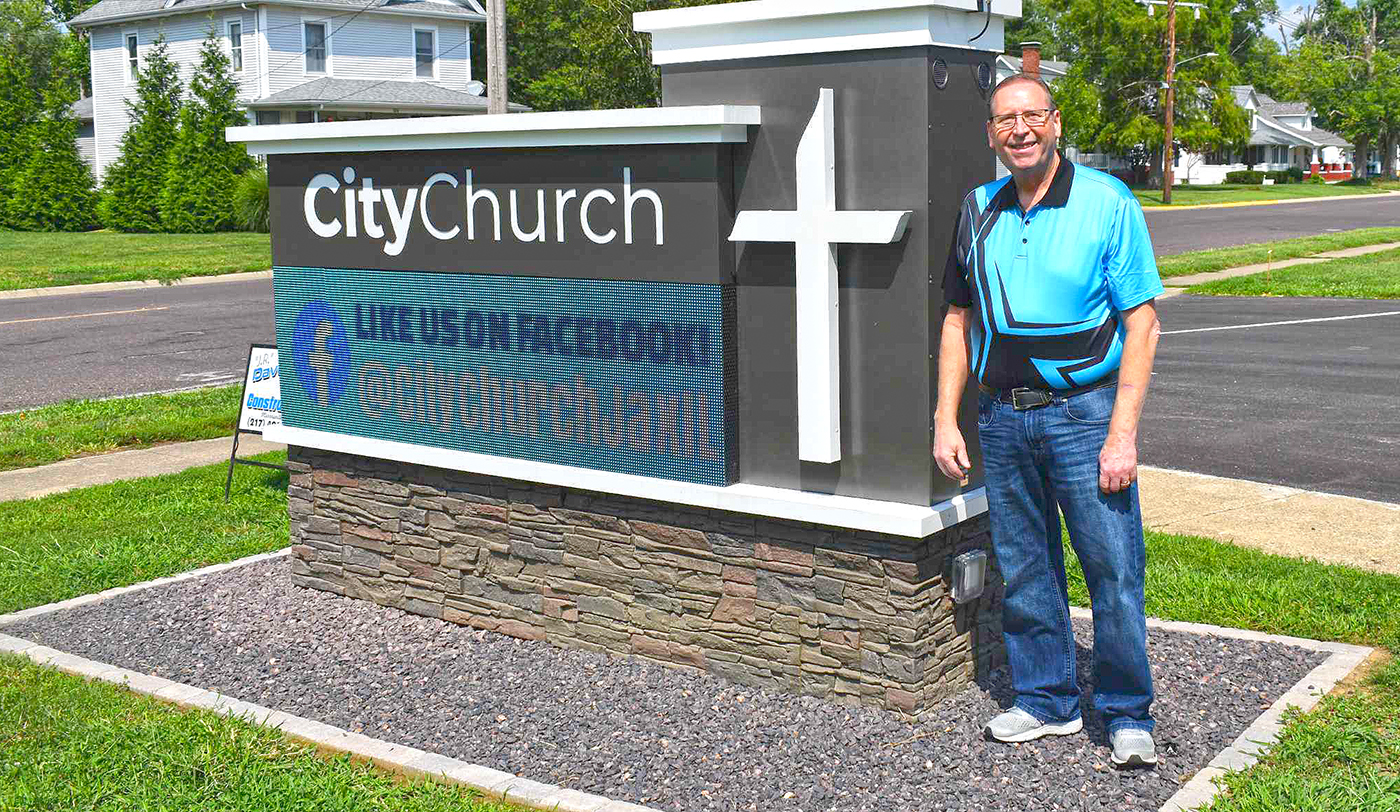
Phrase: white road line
[85,315]
[1281,323]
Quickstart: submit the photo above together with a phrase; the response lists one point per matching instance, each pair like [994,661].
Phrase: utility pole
[1167,158]
[496,56]
[1168,125]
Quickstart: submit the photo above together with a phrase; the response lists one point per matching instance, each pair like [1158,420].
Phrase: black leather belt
[1022,398]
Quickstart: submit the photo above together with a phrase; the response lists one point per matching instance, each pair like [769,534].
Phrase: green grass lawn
[1238,193]
[40,260]
[1218,259]
[66,744]
[1341,757]
[78,428]
[1374,276]
[91,539]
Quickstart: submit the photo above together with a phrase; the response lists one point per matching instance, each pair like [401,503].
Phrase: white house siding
[87,150]
[377,47]
[285,65]
[454,55]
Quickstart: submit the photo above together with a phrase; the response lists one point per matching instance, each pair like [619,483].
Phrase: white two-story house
[295,60]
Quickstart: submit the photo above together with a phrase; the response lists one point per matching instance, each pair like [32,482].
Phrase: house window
[306,117]
[132,63]
[235,46]
[269,117]
[315,38]
[424,53]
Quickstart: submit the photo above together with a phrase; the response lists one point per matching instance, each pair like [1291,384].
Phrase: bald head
[1021,79]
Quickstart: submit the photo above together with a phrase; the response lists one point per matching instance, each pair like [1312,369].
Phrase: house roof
[81,109]
[355,94]
[1269,130]
[110,11]
[1013,63]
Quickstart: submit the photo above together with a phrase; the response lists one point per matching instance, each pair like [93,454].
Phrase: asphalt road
[1314,405]
[1178,231]
[123,342]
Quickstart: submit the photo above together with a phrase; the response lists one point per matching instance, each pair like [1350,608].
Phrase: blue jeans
[1039,462]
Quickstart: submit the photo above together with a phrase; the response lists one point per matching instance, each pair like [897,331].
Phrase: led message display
[626,376]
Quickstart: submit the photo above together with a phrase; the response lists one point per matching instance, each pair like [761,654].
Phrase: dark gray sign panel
[646,212]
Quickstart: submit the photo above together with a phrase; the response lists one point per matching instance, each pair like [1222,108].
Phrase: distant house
[87,146]
[1281,135]
[295,60]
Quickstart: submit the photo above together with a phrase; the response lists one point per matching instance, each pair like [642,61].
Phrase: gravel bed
[649,734]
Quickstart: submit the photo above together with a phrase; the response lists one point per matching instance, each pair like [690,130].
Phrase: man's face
[1021,147]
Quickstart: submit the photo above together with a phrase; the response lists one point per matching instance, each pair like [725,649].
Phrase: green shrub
[203,165]
[250,200]
[1278,176]
[1316,179]
[1356,182]
[134,181]
[1247,177]
[53,189]
[1295,174]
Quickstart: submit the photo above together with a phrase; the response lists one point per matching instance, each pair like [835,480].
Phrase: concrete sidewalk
[30,483]
[1286,521]
[1247,270]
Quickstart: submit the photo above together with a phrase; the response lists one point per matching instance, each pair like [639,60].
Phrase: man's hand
[950,452]
[1117,464]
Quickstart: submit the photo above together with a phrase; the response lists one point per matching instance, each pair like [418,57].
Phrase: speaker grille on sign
[940,73]
[984,76]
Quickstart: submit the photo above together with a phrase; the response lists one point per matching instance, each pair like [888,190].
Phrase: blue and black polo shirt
[1047,286]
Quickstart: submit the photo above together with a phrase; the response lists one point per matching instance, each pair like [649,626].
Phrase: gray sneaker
[1018,726]
[1132,748]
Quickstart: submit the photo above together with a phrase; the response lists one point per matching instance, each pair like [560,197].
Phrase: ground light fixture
[969,575]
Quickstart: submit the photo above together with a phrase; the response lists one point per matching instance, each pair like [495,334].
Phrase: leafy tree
[203,166]
[24,72]
[1113,98]
[53,190]
[135,180]
[1347,67]
[580,54]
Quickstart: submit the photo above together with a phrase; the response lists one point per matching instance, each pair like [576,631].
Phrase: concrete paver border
[1263,733]
[496,784]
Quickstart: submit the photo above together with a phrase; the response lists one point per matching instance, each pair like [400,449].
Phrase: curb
[104,287]
[1264,731]
[499,785]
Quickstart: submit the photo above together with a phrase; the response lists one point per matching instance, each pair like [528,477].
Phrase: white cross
[815,228]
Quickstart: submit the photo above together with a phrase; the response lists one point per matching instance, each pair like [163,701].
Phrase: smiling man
[1050,285]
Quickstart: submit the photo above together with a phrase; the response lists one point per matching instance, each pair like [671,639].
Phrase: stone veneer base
[848,615]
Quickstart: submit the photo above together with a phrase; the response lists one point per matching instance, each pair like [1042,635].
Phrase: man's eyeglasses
[1033,118]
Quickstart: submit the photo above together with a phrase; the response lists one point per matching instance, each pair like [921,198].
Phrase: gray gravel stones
[649,734]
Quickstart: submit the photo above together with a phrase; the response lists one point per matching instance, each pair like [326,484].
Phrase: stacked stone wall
[853,616]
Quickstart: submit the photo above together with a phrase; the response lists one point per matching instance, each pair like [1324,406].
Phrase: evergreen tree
[53,191]
[134,181]
[22,79]
[203,167]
